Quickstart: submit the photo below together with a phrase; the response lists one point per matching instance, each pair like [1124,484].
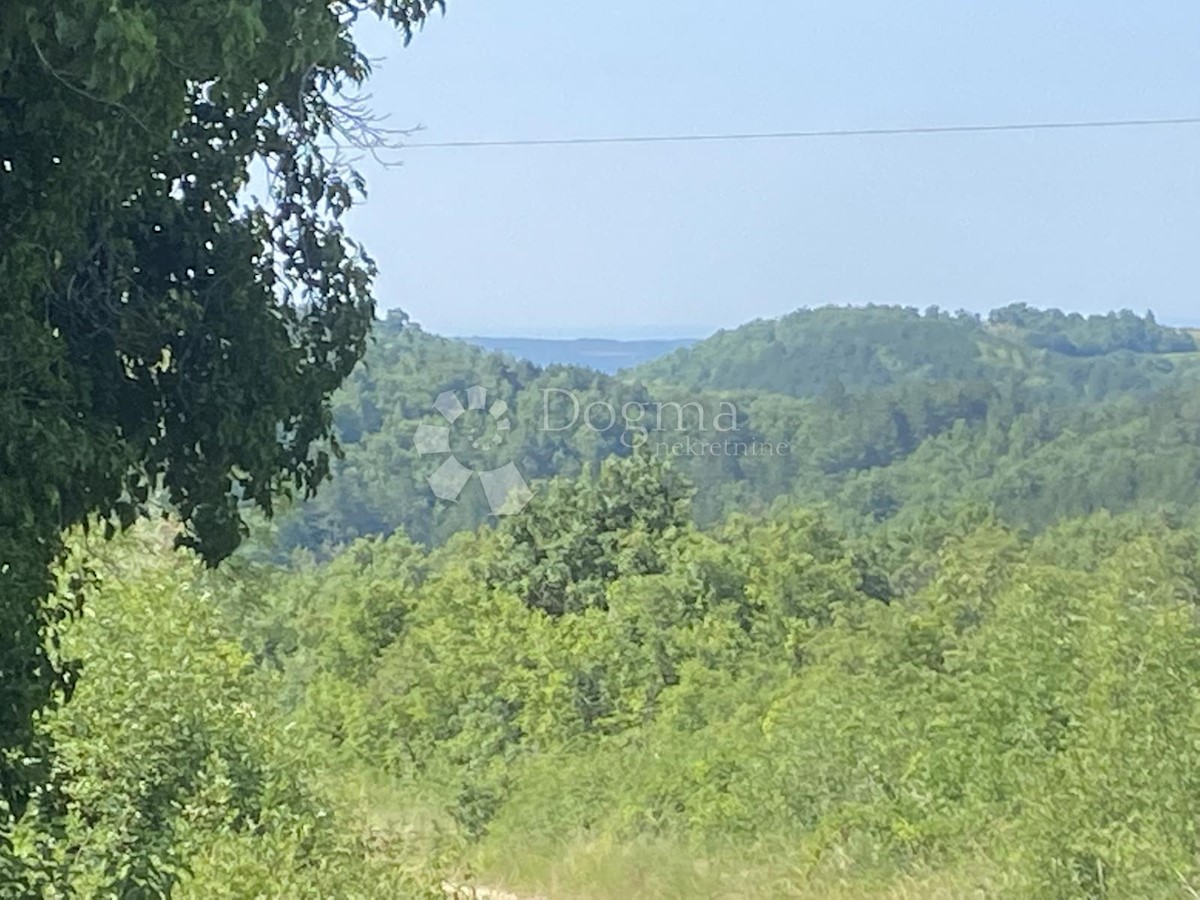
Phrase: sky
[678,240]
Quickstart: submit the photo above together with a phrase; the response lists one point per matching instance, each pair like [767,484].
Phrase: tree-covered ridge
[812,351]
[870,445]
[1078,335]
[1038,467]
[380,487]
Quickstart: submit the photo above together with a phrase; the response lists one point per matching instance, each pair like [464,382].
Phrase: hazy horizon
[636,334]
[680,240]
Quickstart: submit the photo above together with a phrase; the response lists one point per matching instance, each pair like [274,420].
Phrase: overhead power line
[801,135]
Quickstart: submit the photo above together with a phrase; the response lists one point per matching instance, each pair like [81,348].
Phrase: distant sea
[603,354]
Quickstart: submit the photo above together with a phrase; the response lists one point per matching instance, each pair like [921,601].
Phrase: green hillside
[944,646]
[597,694]
[841,396]
[857,349]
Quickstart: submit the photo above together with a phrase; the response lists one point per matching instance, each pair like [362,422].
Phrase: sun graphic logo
[480,427]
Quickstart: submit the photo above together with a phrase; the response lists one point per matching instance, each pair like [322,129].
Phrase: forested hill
[883,413]
[945,645]
[859,349]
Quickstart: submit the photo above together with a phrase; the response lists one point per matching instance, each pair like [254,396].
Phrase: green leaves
[561,552]
[157,337]
[174,773]
[1020,706]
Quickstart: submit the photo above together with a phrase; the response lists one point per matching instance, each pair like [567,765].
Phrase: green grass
[598,867]
[601,869]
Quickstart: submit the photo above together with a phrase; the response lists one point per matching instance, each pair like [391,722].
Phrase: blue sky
[678,240]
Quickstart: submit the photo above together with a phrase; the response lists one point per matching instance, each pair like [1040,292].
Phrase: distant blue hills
[604,354]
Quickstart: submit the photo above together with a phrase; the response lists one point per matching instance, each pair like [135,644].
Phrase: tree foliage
[1022,706]
[164,334]
[175,772]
